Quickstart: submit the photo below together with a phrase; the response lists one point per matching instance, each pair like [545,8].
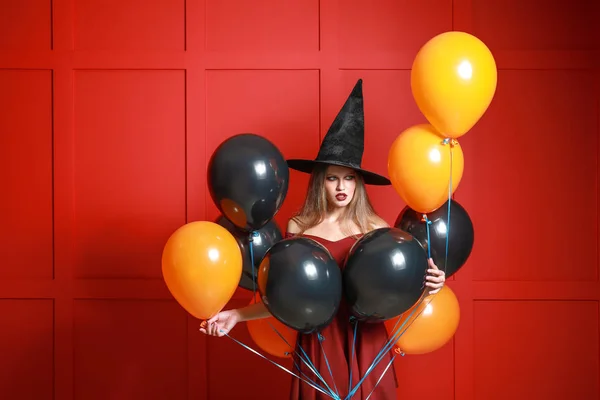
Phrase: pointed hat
[344,142]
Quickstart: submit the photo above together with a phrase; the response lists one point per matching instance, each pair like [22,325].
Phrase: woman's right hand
[220,324]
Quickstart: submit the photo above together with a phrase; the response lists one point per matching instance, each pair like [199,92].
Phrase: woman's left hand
[435,278]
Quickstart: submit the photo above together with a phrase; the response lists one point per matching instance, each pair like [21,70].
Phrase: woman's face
[340,183]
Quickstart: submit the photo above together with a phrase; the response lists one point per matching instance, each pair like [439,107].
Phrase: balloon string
[387,346]
[395,336]
[427,223]
[452,143]
[449,204]
[321,339]
[282,367]
[355,322]
[306,360]
[382,374]
[304,375]
[251,237]
[311,366]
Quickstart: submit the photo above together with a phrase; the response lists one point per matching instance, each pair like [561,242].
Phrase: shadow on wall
[26,344]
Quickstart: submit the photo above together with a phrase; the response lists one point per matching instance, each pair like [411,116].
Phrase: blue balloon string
[381,377]
[311,366]
[306,360]
[303,374]
[449,204]
[386,348]
[283,368]
[321,339]
[253,234]
[355,322]
[427,223]
[451,142]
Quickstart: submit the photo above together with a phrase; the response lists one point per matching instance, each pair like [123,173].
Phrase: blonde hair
[359,211]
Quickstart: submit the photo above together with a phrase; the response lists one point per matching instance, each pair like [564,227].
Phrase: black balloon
[265,237]
[248,180]
[300,284]
[384,274]
[460,238]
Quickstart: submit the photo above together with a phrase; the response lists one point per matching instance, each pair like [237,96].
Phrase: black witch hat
[344,142]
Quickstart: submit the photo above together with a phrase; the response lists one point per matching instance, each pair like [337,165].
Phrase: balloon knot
[426,220]
[287,353]
[398,351]
[253,234]
[352,319]
[321,337]
[451,142]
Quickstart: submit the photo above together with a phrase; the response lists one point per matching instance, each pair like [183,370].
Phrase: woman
[335,213]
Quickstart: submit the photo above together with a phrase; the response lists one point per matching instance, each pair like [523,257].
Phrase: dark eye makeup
[347,177]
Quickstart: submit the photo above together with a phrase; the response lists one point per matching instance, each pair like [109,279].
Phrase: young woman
[336,213]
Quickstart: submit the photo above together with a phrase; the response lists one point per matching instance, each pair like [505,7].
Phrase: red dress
[337,344]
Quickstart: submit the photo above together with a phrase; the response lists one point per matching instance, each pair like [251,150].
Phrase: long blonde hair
[359,211]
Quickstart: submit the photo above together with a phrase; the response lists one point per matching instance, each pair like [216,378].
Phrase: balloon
[248,180]
[453,81]
[300,284]
[263,239]
[432,324]
[459,232]
[271,335]
[201,266]
[419,166]
[384,274]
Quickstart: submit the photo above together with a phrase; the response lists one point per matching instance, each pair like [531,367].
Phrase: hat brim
[307,166]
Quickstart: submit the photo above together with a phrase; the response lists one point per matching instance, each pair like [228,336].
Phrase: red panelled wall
[110,109]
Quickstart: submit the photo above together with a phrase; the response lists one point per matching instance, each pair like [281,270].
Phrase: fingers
[213,319]
[203,327]
[209,330]
[435,278]
[435,285]
[228,326]
[433,291]
[207,327]
[222,331]
[432,264]
[213,329]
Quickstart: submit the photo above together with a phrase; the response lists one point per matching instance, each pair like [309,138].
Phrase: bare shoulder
[379,222]
[293,226]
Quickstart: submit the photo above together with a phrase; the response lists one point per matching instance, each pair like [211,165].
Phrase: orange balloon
[430,327]
[202,266]
[262,276]
[269,339]
[419,167]
[453,81]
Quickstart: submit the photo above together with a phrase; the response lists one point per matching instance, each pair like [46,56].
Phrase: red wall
[110,109]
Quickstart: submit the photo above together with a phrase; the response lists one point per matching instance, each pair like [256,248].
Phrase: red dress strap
[289,235]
